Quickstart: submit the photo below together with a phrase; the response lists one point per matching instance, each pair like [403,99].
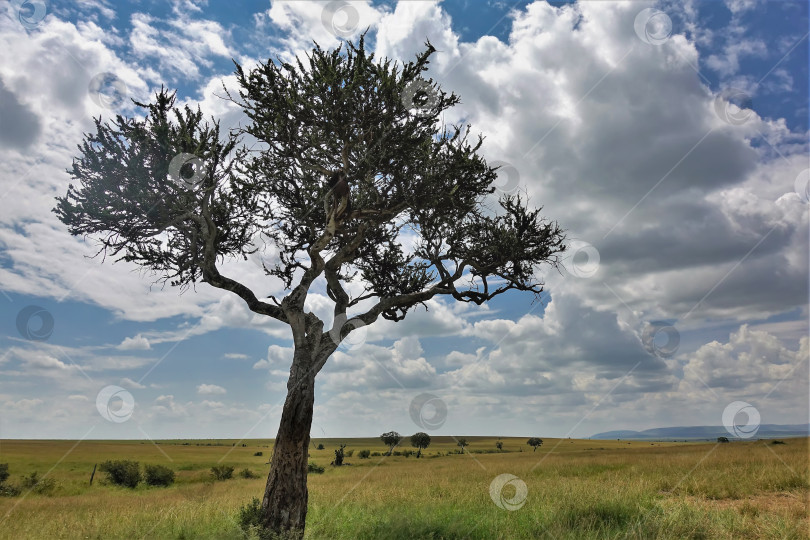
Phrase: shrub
[258,453]
[722,439]
[349,453]
[3,472]
[250,520]
[158,475]
[375,454]
[320,447]
[8,490]
[122,472]
[364,454]
[247,473]
[778,442]
[43,486]
[222,472]
[315,468]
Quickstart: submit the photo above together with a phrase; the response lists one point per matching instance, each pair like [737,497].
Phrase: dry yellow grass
[575,489]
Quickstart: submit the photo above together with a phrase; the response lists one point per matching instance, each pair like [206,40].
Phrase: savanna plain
[573,489]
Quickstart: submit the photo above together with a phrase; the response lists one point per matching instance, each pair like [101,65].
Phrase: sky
[668,139]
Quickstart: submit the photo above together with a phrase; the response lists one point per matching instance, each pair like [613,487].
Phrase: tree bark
[284,506]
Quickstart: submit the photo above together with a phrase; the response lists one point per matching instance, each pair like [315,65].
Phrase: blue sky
[633,141]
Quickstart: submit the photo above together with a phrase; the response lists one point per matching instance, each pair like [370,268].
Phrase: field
[575,489]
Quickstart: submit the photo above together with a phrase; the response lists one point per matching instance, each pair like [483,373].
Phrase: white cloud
[138,342]
[210,390]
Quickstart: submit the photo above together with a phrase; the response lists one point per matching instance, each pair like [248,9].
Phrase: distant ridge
[766,431]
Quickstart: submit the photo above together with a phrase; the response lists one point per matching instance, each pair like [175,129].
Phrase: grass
[576,489]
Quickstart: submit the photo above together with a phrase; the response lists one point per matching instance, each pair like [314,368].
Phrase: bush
[43,486]
[222,472]
[250,520]
[258,453]
[3,472]
[348,453]
[315,468]
[122,472]
[247,473]
[778,442]
[364,454]
[8,490]
[158,475]
[375,454]
[320,447]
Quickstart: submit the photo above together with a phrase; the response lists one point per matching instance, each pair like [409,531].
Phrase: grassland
[576,489]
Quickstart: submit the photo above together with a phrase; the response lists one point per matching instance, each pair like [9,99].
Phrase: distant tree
[535,442]
[499,445]
[722,439]
[320,447]
[462,443]
[339,456]
[420,441]
[340,159]
[391,439]
[3,472]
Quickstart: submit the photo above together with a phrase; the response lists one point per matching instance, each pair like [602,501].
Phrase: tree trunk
[284,506]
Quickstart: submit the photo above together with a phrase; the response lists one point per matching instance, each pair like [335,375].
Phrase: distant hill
[766,431]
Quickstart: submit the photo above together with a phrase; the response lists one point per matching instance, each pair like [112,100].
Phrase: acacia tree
[535,442]
[173,194]
[420,440]
[391,439]
[462,443]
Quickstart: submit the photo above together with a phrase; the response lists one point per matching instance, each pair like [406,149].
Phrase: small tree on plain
[535,442]
[420,441]
[339,455]
[169,192]
[499,445]
[391,439]
[462,443]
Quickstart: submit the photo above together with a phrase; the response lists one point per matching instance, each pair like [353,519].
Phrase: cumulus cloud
[138,342]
